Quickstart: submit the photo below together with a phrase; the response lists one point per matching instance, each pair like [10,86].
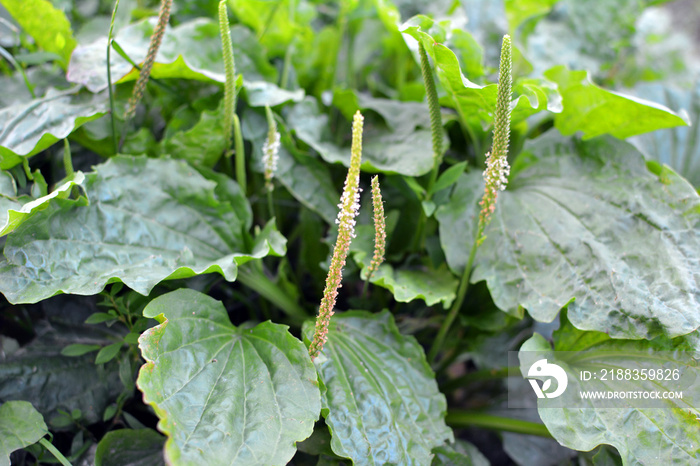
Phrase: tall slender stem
[459,418]
[230,70]
[284,79]
[240,154]
[109,78]
[258,281]
[349,207]
[145,73]
[435,114]
[497,170]
[67,159]
[8,56]
[456,306]
[54,451]
[436,131]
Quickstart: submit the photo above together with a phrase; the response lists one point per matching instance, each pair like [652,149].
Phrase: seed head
[153,46]
[271,149]
[379,228]
[497,168]
[349,207]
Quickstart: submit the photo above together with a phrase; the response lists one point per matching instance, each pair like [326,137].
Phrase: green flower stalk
[271,149]
[436,131]
[433,106]
[230,70]
[379,229]
[349,207]
[231,122]
[495,175]
[153,47]
[497,168]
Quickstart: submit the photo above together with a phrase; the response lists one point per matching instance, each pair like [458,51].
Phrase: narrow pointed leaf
[380,398]
[596,111]
[225,395]
[141,227]
[20,426]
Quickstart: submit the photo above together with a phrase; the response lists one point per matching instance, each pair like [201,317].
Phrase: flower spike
[271,149]
[230,70]
[379,228]
[156,39]
[349,207]
[497,168]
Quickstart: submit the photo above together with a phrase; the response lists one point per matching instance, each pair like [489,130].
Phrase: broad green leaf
[52,382]
[191,50]
[277,23]
[28,128]
[47,25]
[641,435]
[595,111]
[20,426]
[305,177]
[677,147]
[14,216]
[203,144]
[432,286]
[141,447]
[251,392]
[405,147]
[309,181]
[457,219]
[42,78]
[469,52]
[141,227]
[460,452]
[262,93]
[586,220]
[380,398]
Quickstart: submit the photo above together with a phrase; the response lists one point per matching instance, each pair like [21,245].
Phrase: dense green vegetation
[169,223]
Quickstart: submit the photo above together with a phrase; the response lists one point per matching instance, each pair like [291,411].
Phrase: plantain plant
[161,295]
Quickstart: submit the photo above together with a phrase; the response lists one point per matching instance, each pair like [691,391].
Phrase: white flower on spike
[271,149]
[349,208]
